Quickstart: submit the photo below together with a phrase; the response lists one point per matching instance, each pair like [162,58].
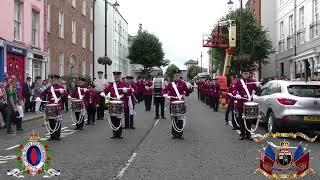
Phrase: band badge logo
[282,163]
[33,158]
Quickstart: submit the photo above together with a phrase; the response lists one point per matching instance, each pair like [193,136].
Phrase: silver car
[290,104]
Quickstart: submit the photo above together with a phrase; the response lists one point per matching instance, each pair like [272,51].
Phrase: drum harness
[82,112]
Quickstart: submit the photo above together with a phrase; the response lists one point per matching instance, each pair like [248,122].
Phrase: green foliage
[170,71]
[256,43]
[147,51]
[193,71]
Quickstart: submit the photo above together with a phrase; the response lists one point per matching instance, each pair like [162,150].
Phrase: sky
[179,24]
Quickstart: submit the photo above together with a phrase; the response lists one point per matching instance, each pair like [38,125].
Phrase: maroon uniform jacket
[231,90]
[75,94]
[239,89]
[58,93]
[215,90]
[181,86]
[91,99]
[120,85]
[150,91]
[140,86]
[133,93]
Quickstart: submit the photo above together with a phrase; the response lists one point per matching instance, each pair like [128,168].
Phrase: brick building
[70,37]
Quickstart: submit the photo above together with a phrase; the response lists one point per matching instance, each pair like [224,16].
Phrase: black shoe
[227,124]
[58,139]
[249,138]
[76,128]
[180,137]
[174,137]
[156,117]
[120,137]
[81,128]
[241,138]
[93,123]
[113,137]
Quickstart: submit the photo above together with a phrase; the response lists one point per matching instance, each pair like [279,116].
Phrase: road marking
[156,123]
[12,147]
[61,130]
[2,162]
[123,170]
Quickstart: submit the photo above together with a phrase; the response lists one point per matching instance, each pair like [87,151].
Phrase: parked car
[290,104]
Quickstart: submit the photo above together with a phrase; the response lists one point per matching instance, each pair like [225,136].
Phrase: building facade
[23,40]
[265,11]
[298,42]
[117,39]
[70,37]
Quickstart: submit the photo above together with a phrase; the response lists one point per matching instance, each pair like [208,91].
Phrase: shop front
[36,64]
[16,64]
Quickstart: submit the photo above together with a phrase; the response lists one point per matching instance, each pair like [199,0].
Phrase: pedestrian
[11,107]
[37,94]
[78,93]
[19,114]
[91,101]
[129,111]
[158,86]
[118,90]
[215,94]
[100,84]
[148,93]
[3,103]
[175,91]
[27,94]
[245,88]
[64,98]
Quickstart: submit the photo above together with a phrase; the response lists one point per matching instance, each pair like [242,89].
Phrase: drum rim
[76,100]
[251,103]
[51,105]
[177,102]
[116,102]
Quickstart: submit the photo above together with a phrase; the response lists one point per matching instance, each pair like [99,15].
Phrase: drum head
[116,102]
[251,104]
[76,100]
[52,105]
[177,102]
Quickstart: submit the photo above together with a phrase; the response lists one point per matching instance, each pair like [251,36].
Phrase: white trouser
[37,108]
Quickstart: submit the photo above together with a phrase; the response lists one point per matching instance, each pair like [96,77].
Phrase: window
[281,31]
[304,90]
[84,7]
[265,89]
[61,64]
[36,68]
[18,7]
[74,32]
[48,18]
[315,10]
[84,37]
[74,3]
[61,24]
[291,25]
[35,28]
[301,18]
[274,88]
[91,41]
[84,72]
[91,14]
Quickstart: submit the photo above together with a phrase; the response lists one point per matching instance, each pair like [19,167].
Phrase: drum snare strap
[116,90]
[176,90]
[246,89]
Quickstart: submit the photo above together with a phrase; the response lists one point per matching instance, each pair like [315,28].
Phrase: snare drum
[178,108]
[251,110]
[53,111]
[76,105]
[116,108]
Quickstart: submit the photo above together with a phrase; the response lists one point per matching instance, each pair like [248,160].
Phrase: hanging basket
[104,61]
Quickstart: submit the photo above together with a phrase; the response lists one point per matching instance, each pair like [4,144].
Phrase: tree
[256,43]
[170,71]
[147,51]
[193,71]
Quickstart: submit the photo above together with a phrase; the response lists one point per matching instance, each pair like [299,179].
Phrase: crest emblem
[33,157]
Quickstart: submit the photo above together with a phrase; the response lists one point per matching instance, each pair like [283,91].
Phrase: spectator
[11,108]
[27,94]
[37,93]
[19,114]
[65,96]
[3,103]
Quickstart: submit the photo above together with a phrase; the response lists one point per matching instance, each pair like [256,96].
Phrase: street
[210,150]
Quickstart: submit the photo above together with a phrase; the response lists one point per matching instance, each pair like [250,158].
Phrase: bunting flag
[302,163]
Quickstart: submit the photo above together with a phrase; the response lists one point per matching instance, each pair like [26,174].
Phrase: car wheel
[271,125]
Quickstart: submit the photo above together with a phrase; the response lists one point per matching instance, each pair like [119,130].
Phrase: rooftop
[191,62]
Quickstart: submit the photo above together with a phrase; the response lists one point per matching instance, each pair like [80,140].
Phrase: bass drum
[53,111]
[178,108]
[116,108]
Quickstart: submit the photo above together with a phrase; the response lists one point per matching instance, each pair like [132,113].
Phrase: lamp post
[201,60]
[230,3]
[115,5]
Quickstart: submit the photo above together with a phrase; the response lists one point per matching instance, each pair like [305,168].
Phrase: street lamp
[115,5]
[230,4]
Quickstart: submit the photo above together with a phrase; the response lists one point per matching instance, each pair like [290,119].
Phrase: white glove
[125,90]
[85,90]
[166,96]
[229,94]
[61,91]
[147,88]
[258,84]
[69,97]
[38,99]
[103,94]
[238,96]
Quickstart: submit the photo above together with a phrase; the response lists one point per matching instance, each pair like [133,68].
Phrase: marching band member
[148,93]
[140,88]
[230,108]
[100,84]
[118,90]
[158,86]
[54,94]
[78,93]
[91,101]
[175,91]
[130,110]
[215,94]
[245,88]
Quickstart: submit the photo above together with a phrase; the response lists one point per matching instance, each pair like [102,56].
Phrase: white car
[290,104]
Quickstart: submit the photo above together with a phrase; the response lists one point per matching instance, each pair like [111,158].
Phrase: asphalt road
[210,150]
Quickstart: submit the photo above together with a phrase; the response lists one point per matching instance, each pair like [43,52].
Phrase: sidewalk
[29,116]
